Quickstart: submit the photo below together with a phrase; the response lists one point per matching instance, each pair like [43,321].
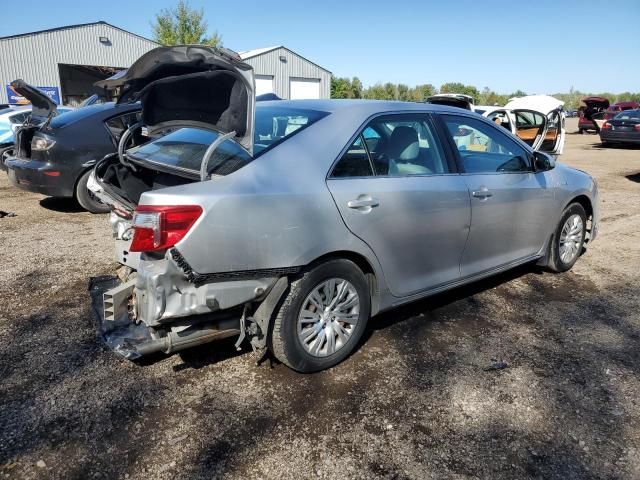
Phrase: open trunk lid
[598,103]
[544,104]
[459,100]
[191,86]
[42,105]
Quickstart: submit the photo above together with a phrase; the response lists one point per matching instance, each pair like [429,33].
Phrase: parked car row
[290,223]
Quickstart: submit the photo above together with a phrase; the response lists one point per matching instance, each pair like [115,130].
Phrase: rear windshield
[185,148]
[628,115]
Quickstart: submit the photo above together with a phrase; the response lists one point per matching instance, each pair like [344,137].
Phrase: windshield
[628,115]
[184,148]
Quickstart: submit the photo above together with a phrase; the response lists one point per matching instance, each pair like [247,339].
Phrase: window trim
[431,122]
[498,129]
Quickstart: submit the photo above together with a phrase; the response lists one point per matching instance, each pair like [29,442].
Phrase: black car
[623,128]
[55,158]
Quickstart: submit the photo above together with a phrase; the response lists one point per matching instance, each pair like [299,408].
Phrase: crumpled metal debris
[7,214]
[496,365]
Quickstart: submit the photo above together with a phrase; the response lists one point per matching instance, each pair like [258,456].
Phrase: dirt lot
[415,400]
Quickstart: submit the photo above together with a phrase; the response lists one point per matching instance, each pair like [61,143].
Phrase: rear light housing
[637,127]
[606,126]
[42,143]
[160,227]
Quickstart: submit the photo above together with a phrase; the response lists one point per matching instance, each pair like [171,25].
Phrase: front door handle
[483,192]
[363,202]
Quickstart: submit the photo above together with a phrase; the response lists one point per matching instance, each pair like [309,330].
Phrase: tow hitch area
[114,310]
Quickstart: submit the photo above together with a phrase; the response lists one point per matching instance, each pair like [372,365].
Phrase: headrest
[403,144]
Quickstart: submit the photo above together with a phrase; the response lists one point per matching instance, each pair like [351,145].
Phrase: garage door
[304,88]
[264,84]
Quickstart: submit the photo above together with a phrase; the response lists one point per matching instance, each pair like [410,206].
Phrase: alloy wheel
[328,317]
[571,238]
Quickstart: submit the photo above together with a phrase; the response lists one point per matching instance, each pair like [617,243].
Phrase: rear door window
[395,146]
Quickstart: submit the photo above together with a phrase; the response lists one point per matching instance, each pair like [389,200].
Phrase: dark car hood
[596,102]
[191,86]
[42,105]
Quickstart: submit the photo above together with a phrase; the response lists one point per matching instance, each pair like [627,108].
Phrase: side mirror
[543,162]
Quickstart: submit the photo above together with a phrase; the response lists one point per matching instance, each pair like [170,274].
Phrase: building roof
[257,51]
[79,25]
[261,51]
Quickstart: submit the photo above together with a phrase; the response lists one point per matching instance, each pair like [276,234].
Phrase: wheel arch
[364,265]
[585,202]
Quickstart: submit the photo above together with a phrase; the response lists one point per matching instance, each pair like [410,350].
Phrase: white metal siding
[35,58]
[295,66]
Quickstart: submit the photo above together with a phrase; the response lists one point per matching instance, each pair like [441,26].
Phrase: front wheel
[87,199]
[568,239]
[322,317]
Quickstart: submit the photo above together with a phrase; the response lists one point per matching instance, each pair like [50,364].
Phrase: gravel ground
[415,400]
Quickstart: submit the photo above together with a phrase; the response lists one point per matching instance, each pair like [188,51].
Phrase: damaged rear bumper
[162,310]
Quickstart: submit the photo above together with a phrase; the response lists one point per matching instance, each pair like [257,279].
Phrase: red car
[594,105]
[616,108]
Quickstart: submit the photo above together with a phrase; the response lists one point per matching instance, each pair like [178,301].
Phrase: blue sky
[540,46]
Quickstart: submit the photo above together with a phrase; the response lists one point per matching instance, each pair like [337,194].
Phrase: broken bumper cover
[134,340]
[161,310]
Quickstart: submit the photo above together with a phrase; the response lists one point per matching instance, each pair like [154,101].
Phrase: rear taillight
[42,143]
[161,227]
[637,127]
[606,126]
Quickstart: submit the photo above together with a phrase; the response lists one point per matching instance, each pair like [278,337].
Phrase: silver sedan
[297,223]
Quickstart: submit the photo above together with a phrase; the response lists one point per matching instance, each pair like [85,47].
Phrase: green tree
[518,93]
[356,87]
[455,87]
[183,25]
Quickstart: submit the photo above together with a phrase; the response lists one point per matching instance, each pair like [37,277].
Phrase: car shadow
[62,205]
[215,352]
[440,300]
[634,177]
[615,146]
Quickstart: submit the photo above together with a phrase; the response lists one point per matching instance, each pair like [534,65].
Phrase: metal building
[289,75]
[65,62]
[68,60]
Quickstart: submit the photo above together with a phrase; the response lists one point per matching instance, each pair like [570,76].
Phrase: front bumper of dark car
[41,177]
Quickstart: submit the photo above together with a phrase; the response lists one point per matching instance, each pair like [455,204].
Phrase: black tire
[86,199]
[555,262]
[605,144]
[582,131]
[284,342]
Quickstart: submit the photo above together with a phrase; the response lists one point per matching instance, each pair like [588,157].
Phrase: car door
[398,192]
[553,140]
[531,126]
[510,203]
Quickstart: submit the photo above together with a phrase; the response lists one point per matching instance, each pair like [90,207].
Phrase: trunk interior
[128,184]
[23,137]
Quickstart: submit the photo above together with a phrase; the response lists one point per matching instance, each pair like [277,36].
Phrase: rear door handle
[483,192]
[363,203]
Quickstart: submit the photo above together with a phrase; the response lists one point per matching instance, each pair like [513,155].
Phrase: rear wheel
[568,239]
[87,199]
[322,317]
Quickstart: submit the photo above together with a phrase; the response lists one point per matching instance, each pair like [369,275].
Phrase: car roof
[364,106]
